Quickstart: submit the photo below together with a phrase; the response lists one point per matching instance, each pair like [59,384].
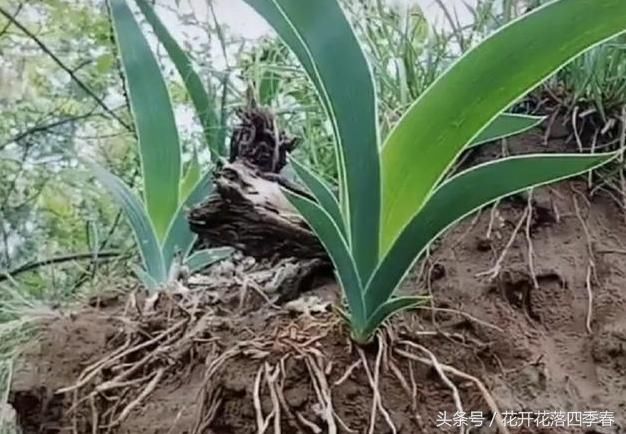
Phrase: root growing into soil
[446,368]
[494,271]
[591,265]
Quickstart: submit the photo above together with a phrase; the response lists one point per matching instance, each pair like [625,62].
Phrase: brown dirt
[524,329]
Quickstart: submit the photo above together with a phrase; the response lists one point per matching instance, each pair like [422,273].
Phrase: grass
[407,55]
[20,311]
[598,79]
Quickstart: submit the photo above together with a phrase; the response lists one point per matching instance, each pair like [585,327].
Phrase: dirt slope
[543,327]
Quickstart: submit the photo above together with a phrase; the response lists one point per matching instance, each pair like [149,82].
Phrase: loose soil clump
[528,314]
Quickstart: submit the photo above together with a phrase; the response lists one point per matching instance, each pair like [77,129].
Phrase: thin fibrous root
[261,422]
[451,370]
[271,378]
[347,374]
[209,395]
[142,396]
[591,265]
[529,242]
[400,377]
[417,416]
[92,371]
[304,421]
[589,316]
[320,385]
[465,315]
[374,380]
[455,392]
[492,219]
[495,270]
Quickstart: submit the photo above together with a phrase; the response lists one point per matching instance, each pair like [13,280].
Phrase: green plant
[394,198]
[598,77]
[594,80]
[159,225]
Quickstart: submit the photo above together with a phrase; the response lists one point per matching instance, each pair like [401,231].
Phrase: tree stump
[248,209]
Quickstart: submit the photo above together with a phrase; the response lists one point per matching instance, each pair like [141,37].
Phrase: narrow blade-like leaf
[139,220]
[476,89]
[391,307]
[203,258]
[179,237]
[323,40]
[461,195]
[322,193]
[330,236]
[145,278]
[191,178]
[154,119]
[506,125]
[203,102]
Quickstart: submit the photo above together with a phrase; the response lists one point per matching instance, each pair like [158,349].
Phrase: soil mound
[528,317]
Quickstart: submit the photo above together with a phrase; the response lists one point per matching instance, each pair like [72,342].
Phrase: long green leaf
[506,125]
[463,194]
[145,278]
[204,104]
[139,220]
[323,40]
[179,237]
[475,90]
[330,236]
[191,178]
[389,308]
[203,258]
[322,193]
[154,118]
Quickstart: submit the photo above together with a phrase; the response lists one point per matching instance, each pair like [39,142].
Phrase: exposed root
[91,372]
[455,392]
[147,351]
[261,422]
[373,379]
[529,242]
[465,315]
[271,377]
[550,125]
[135,403]
[304,421]
[348,372]
[323,393]
[451,370]
[493,272]
[591,266]
[579,142]
[416,415]
[589,300]
[492,218]
[210,393]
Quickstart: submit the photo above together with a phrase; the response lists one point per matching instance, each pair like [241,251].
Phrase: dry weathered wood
[251,213]
[248,210]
